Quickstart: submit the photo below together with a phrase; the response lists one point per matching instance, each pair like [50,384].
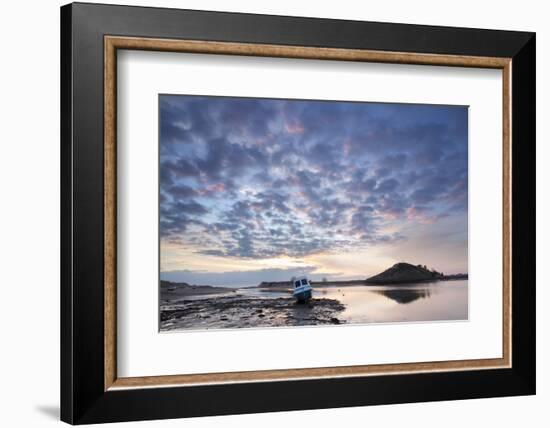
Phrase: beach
[185,307]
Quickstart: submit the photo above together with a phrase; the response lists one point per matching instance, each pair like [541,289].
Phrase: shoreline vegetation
[401,273]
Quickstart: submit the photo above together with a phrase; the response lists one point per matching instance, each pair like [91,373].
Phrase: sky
[258,189]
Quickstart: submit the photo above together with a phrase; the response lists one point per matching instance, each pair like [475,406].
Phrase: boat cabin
[302,290]
[298,282]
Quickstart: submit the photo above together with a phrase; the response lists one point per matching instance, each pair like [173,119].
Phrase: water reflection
[440,300]
[436,301]
[404,296]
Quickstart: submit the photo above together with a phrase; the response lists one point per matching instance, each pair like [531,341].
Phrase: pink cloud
[294,128]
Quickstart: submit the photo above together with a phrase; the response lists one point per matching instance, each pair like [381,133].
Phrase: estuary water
[443,300]
[355,304]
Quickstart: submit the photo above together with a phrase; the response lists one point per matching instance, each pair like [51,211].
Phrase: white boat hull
[302,293]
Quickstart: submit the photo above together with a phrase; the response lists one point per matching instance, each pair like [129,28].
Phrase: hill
[401,273]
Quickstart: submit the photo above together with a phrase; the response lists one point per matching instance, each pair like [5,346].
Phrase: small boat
[301,289]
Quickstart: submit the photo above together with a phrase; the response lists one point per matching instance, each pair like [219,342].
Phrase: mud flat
[237,311]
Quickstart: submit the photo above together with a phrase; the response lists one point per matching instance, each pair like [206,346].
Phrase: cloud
[241,278]
[256,178]
[387,185]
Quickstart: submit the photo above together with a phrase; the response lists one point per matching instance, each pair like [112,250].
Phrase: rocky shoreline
[236,311]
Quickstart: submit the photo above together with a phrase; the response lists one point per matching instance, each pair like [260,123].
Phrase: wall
[29,230]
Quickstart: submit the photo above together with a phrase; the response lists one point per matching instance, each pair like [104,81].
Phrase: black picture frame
[83,397]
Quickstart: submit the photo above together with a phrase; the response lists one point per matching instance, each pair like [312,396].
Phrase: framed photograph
[266,213]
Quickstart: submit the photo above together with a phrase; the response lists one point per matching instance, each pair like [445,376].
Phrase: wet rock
[243,311]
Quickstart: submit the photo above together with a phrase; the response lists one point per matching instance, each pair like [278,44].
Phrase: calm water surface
[444,300]
[435,301]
